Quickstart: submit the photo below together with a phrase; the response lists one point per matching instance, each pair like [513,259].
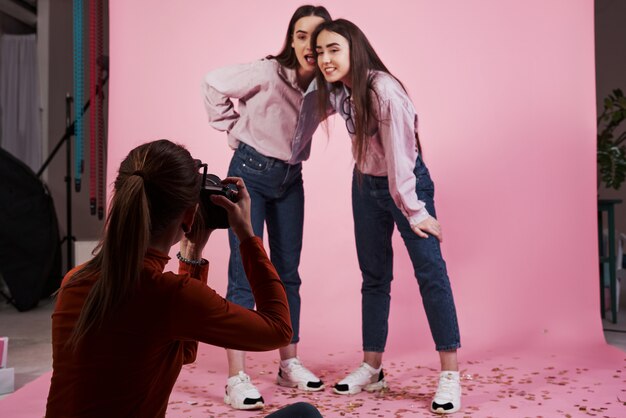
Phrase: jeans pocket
[253,163]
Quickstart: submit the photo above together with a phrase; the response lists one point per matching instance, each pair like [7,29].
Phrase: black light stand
[69,238]
[66,138]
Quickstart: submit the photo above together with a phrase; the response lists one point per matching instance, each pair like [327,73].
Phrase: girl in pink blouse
[270,131]
[391,186]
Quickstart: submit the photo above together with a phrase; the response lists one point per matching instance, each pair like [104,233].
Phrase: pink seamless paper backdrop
[505,96]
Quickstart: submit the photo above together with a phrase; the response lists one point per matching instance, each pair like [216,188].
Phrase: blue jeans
[375,214]
[277,199]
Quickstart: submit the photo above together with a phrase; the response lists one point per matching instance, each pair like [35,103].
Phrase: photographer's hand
[430,226]
[239,212]
[193,242]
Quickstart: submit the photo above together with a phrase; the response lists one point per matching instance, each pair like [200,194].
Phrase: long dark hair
[287,56]
[156,183]
[363,58]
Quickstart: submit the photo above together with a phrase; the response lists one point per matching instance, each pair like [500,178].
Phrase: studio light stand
[69,239]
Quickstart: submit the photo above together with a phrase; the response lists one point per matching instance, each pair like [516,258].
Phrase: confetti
[535,387]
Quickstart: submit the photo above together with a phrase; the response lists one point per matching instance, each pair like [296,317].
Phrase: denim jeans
[277,199]
[375,214]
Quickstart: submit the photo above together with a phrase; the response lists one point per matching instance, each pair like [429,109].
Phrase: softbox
[30,251]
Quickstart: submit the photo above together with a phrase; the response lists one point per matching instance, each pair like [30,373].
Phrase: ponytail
[120,258]
[156,182]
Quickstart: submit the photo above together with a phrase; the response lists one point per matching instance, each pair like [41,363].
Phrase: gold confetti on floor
[534,386]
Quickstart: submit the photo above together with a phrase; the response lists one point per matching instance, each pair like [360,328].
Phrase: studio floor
[589,381]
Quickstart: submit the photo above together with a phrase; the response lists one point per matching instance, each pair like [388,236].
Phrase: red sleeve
[199,313]
[201,272]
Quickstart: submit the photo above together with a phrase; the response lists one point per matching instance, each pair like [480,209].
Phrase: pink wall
[506,99]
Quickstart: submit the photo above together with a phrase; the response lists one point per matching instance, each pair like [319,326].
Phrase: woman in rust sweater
[122,327]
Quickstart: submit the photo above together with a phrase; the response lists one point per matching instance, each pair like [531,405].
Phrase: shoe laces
[295,367]
[360,374]
[243,384]
[448,387]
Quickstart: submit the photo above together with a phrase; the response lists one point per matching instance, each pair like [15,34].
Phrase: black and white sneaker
[241,393]
[364,378]
[448,396]
[292,374]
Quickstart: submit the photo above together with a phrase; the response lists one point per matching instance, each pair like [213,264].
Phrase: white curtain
[20,118]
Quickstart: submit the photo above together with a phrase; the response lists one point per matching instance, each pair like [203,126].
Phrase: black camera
[214,216]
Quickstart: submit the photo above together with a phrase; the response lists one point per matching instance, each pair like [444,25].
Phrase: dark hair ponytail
[156,182]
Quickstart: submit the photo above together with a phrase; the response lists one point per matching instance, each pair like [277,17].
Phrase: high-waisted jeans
[375,214]
[277,199]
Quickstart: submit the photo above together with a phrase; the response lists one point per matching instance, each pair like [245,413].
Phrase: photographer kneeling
[122,328]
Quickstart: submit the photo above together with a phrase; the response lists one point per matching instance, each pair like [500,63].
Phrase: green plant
[611,153]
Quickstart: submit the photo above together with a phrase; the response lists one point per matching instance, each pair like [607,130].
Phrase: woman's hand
[238,212]
[193,242]
[430,226]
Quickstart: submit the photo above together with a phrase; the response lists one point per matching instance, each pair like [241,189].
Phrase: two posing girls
[326,67]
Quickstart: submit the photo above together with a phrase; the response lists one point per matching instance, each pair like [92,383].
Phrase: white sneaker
[448,396]
[291,373]
[365,377]
[241,393]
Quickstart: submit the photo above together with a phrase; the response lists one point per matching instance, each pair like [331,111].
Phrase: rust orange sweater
[128,367]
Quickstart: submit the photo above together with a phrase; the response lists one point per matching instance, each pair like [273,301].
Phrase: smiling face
[301,43]
[333,57]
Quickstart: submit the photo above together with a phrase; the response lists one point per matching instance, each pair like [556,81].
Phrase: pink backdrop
[505,94]
[506,99]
